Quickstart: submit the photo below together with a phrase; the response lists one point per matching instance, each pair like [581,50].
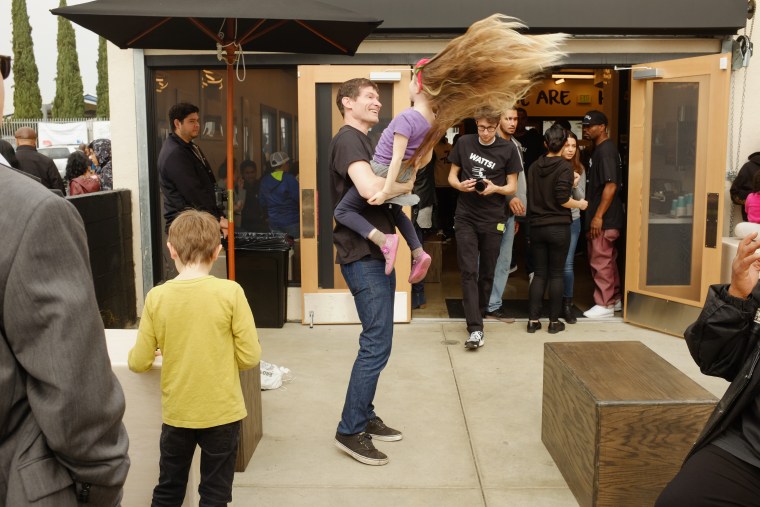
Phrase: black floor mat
[514,308]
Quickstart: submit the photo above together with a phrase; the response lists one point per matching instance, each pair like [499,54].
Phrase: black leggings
[713,477]
[549,245]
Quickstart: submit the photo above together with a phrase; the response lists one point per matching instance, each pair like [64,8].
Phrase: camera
[479,174]
[220,195]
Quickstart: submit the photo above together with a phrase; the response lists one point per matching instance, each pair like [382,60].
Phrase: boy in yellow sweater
[205,332]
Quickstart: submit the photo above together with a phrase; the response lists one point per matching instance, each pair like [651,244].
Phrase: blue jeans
[418,289]
[569,276]
[218,453]
[373,293]
[501,273]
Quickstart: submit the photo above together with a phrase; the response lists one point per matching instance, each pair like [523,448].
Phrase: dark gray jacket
[62,440]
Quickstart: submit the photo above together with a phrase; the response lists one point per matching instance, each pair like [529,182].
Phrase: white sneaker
[475,340]
[599,312]
[618,305]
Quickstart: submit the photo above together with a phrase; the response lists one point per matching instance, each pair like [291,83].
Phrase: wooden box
[434,271]
[251,429]
[618,420]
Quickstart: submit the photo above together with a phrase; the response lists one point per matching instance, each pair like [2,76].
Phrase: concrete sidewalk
[471,420]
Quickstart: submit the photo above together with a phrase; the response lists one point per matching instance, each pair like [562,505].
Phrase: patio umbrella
[230,26]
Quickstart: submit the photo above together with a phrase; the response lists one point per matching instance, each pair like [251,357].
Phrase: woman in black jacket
[723,467]
[550,181]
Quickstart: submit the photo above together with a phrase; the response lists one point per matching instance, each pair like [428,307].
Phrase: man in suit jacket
[62,442]
[35,163]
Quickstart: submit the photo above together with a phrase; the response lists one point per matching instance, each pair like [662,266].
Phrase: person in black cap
[604,216]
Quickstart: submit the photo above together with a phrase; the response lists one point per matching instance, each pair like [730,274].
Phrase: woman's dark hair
[555,138]
[755,182]
[576,160]
[76,165]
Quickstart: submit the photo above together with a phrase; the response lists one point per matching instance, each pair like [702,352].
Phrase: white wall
[746,129]
[124,147]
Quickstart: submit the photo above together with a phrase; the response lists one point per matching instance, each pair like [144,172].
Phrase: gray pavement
[471,420]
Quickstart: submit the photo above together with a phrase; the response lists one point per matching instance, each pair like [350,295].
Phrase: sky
[44,33]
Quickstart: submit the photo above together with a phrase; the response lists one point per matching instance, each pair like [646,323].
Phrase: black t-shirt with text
[348,146]
[605,167]
[493,162]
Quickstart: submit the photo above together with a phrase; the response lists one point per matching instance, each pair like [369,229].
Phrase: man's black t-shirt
[493,162]
[605,167]
[351,145]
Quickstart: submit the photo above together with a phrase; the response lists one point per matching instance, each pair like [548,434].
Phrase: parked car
[59,154]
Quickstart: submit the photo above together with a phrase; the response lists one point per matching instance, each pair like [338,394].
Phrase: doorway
[565,94]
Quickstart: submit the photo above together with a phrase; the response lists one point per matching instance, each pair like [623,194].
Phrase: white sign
[50,134]
[101,130]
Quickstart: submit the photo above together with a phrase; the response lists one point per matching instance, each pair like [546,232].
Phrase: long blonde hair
[491,65]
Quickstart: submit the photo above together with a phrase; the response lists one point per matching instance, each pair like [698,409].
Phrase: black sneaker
[499,315]
[378,430]
[475,340]
[359,446]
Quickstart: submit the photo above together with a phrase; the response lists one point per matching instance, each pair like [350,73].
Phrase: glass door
[679,113]
[326,299]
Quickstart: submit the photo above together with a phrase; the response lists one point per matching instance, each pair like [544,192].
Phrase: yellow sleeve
[143,354]
[244,335]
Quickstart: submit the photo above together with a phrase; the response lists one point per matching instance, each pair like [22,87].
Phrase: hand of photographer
[467,185]
[745,269]
[490,187]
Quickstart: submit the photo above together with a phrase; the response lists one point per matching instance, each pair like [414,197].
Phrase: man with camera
[187,181]
[484,169]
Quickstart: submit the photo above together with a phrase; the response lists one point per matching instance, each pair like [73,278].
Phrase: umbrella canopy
[291,26]
[230,26]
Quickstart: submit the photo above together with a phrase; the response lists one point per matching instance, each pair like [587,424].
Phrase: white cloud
[44,33]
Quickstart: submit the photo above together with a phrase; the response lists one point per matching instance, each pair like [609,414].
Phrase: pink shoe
[389,251]
[420,266]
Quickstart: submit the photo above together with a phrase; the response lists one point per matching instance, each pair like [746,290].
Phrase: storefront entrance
[326,299]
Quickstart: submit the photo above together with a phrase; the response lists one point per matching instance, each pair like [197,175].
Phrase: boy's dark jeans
[218,445]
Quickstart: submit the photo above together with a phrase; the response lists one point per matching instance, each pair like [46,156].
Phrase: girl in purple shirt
[476,70]
[398,142]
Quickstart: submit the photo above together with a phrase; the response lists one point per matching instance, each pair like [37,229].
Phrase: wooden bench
[618,420]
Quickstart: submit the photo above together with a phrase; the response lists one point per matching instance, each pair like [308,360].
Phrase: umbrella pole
[230,57]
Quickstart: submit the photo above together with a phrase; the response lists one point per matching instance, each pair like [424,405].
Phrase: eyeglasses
[5,66]
[483,129]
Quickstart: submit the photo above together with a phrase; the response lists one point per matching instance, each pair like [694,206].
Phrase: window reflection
[264,108]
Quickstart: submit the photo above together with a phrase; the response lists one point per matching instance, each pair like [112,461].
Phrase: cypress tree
[102,89]
[69,91]
[27,101]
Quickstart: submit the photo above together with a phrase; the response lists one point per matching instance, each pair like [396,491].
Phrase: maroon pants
[602,256]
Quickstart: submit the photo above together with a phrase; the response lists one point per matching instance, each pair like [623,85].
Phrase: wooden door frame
[711,150]
[338,302]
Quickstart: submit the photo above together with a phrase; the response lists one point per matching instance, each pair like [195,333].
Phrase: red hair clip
[418,72]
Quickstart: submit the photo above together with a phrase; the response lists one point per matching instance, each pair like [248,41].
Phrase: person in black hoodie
[550,181]
[742,185]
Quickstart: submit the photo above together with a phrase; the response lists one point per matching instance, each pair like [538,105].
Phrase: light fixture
[572,76]
[385,77]
[559,81]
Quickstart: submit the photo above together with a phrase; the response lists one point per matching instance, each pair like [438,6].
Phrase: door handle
[308,221]
[711,220]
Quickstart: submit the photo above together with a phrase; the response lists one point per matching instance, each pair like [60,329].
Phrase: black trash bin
[261,268]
